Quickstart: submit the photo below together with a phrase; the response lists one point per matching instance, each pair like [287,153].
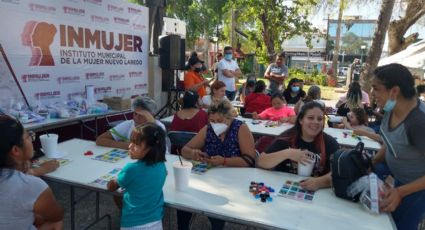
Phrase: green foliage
[315,77]
[270,22]
[352,43]
[201,16]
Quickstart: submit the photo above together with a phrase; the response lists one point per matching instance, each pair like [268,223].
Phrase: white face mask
[219,128]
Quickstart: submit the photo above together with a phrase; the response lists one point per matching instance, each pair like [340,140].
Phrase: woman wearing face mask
[193,79]
[404,146]
[294,92]
[294,146]
[225,141]
[218,93]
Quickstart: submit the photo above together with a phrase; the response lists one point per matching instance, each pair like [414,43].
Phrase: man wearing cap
[229,72]
[276,73]
[193,79]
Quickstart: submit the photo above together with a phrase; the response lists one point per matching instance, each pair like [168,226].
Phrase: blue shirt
[227,148]
[143,199]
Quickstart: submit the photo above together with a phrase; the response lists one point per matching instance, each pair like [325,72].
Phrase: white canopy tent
[412,57]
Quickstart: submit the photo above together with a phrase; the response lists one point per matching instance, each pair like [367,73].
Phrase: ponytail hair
[154,137]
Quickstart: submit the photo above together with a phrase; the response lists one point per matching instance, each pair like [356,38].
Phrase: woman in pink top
[278,112]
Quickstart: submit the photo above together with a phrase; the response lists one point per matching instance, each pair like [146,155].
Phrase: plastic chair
[179,139]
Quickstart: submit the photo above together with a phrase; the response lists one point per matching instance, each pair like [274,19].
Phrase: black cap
[194,60]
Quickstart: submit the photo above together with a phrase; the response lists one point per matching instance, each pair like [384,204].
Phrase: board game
[103,180]
[112,156]
[293,190]
[38,162]
[200,167]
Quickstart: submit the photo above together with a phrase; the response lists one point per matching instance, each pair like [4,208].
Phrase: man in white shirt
[229,72]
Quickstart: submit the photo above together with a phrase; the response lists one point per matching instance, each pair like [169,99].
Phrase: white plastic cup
[305,170]
[49,143]
[181,175]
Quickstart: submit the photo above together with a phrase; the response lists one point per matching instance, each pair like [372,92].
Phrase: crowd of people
[223,140]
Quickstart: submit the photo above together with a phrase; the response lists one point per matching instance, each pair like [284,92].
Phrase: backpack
[347,166]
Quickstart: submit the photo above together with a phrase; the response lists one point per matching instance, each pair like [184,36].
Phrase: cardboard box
[117,103]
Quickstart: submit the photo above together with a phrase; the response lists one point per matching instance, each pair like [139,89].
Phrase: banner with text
[53,49]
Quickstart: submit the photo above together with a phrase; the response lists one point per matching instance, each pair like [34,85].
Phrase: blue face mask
[228,57]
[389,105]
[295,88]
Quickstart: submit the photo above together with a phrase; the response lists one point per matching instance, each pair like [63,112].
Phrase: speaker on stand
[171,60]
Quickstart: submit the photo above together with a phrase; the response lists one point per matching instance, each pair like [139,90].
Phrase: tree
[270,22]
[201,16]
[377,42]
[398,28]
[333,79]
[351,43]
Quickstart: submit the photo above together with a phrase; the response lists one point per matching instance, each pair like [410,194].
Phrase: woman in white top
[218,93]
[26,201]
[119,136]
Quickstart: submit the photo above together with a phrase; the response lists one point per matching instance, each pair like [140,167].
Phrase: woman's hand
[284,120]
[255,116]
[360,132]
[215,160]
[198,155]
[301,156]
[50,166]
[312,184]
[112,185]
[391,200]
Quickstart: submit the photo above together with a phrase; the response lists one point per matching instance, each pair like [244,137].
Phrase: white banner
[56,48]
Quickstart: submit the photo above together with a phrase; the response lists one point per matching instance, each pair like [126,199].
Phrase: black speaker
[170,52]
[168,77]
[182,54]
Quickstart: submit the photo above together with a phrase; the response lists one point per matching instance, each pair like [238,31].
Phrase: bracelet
[224,162]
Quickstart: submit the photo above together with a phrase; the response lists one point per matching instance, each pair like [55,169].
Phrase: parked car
[342,71]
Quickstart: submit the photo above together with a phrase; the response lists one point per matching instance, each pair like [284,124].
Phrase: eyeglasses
[31,134]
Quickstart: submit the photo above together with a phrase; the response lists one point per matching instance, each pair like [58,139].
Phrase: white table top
[259,129]
[52,122]
[351,141]
[223,192]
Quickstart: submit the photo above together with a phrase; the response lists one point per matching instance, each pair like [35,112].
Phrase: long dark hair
[293,134]
[260,86]
[154,137]
[12,133]
[354,95]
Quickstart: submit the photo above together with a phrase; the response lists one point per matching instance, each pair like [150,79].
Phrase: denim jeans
[230,95]
[411,210]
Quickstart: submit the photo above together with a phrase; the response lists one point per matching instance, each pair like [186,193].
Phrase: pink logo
[121,21]
[100,90]
[95,18]
[116,9]
[73,11]
[122,90]
[91,76]
[42,8]
[135,74]
[35,77]
[141,86]
[139,27]
[39,36]
[68,79]
[134,10]
[117,77]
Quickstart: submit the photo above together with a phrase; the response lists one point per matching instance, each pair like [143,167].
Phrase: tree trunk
[206,47]
[377,43]
[268,37]
[336,48]
[398,28]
